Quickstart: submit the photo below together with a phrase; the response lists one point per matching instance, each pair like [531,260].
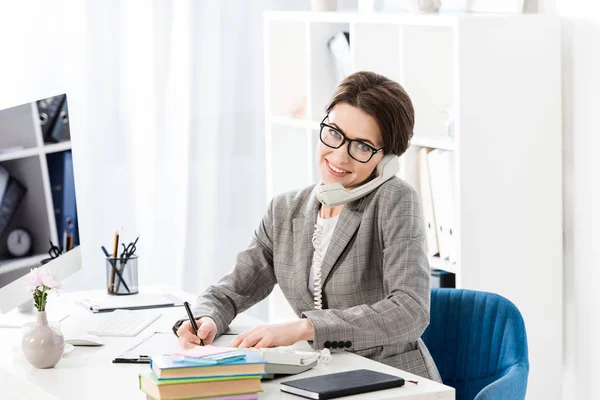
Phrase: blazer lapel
[345,229]
[304,227]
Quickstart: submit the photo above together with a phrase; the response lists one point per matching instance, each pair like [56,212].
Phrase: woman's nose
[341,154]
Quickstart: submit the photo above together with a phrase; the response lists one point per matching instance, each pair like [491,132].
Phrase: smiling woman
[362,283]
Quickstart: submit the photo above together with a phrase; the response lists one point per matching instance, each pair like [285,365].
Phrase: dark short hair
[383,99]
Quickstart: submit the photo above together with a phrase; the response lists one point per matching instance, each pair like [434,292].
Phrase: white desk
[87,372]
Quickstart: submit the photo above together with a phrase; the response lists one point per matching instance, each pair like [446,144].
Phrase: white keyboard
[121,322]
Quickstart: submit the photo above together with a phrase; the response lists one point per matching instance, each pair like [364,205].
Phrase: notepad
[331,386]
[205,351]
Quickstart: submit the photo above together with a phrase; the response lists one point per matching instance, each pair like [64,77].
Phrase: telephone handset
[335,194]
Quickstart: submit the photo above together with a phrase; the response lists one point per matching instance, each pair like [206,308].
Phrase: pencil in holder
[122,275]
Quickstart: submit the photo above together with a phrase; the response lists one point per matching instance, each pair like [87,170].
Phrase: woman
[374,273]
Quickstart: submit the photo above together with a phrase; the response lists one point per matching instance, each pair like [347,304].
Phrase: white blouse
[328,225]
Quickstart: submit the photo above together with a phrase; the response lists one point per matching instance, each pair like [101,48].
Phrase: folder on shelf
[427,203]
[12,193]
[62,183]
[60,131]
[48,110]
[339,46]
[441,170]
[442,279]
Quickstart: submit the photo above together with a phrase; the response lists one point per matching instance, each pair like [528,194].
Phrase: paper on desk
[157,344]
[205,351]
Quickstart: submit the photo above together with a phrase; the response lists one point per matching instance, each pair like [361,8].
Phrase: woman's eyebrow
[340,129]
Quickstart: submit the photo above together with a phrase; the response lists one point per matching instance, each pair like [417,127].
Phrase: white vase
[43,345]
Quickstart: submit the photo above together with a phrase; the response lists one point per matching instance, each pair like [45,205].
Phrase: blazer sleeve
[403,315]
[251,280]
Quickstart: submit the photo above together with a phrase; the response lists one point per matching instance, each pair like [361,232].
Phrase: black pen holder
[122,275]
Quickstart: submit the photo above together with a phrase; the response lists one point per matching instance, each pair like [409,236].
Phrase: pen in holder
[122,275]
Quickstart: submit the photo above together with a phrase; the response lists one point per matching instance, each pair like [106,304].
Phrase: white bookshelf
[23,152]
[499,75]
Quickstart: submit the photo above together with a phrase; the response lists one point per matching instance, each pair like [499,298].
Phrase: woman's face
[336,165]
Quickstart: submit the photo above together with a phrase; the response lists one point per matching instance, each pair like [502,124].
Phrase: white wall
[42,53]
[581,100]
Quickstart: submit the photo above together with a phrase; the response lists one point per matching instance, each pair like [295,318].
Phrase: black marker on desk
[192,320]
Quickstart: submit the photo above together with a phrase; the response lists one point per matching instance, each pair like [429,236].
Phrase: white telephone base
[288,356]
[287,361]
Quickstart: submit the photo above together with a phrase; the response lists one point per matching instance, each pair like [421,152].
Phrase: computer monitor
[38,207]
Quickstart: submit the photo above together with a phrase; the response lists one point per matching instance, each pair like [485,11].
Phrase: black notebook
[341,384]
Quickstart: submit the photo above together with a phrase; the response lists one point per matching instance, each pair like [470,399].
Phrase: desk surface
[87,372]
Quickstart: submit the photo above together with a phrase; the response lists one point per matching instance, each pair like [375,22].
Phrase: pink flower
[48,279]
[33,279]
[41,277]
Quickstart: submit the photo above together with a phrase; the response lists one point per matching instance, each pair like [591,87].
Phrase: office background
[187,177]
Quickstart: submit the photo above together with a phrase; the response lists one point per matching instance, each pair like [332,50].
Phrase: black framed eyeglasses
[357,149]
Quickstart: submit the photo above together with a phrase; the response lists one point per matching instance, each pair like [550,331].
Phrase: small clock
[19,242]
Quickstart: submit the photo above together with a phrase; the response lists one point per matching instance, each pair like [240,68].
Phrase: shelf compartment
[428,76]
[369,57]
[286,68]
[324,76]
[17,127]
[32,212]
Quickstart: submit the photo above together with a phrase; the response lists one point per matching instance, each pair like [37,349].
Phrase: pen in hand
[192,320]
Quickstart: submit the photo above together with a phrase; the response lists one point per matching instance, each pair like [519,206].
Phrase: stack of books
[205,372]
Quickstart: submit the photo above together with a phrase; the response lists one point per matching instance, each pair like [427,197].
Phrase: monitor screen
[38,207]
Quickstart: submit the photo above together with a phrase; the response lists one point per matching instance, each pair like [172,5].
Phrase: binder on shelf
[442,279]
[427,203]
[12,193]
[62,183]
[339,46]
[61,130]
[441,170]
[48,110]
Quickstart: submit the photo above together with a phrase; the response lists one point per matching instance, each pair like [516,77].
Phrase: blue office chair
[479,344]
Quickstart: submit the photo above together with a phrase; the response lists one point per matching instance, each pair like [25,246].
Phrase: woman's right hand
[207,330]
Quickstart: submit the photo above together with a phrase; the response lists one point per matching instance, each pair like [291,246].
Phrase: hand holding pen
[192,320]
[191,335]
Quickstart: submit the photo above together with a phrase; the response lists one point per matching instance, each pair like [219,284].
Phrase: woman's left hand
[275,335]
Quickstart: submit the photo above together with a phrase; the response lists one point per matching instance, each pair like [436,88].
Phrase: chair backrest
[474,338]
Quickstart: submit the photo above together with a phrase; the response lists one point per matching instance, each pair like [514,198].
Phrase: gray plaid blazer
[375,275]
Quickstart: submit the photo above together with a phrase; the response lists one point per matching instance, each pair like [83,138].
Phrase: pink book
[253,396]
[205,351]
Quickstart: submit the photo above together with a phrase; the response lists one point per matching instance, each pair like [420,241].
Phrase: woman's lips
[333,172]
